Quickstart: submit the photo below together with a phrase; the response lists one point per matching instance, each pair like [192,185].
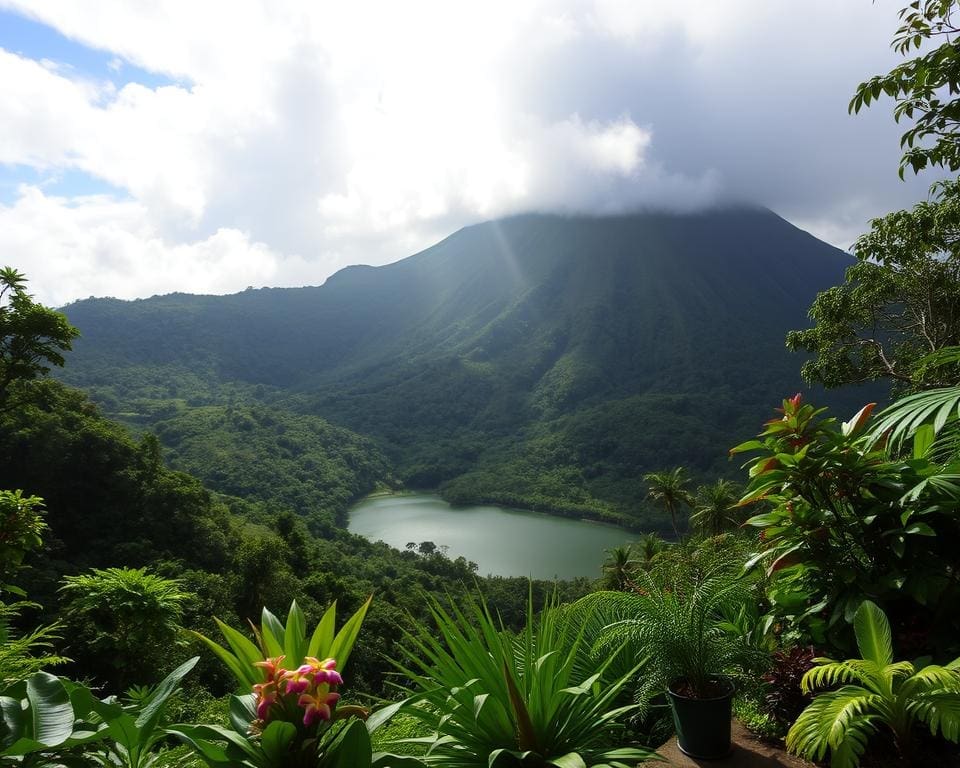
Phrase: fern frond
[829,674]
[931,679]
[841,721]
[941,712]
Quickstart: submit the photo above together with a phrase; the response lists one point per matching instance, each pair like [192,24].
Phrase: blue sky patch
[67,183]
[35,40]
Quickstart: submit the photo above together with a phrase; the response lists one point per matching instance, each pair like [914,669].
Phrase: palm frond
[900,421]
[829,674]
[931,678]
[941,713]
[840,721]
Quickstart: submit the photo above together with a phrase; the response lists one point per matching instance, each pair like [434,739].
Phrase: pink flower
[267,692]
[313,672]
[317,706]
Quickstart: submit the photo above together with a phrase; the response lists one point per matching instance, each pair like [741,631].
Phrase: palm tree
[670,489]
[648,546]
[618,568]
[713,511]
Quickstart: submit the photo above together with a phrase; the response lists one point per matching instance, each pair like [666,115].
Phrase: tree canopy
[899,302]
[923,87]
[32,336]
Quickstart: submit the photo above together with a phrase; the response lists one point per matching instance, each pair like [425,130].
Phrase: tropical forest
[575,486]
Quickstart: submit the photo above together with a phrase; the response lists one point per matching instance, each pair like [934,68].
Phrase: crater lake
[500,540]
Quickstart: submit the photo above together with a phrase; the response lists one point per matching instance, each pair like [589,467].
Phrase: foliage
[919,86]
[680,618]
[43,714]
[874,692]
[756,719]
[844,521]
[669,488]
[24,653]
[21,529]
[930,418]
[497,699]
[134,734]
[647,547]
[286,641]
[289,709]
[290,461]
[32,336]
[46,714]
[785,698]
[617,568]
[124,622]
[714,508]
[899,301]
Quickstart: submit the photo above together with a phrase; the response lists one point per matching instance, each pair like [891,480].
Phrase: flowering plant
[287,714]
[308,686]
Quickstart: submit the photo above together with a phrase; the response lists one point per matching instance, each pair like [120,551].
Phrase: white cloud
[95,246]
[301,137]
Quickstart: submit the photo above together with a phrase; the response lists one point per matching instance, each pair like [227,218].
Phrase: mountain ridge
[484,352]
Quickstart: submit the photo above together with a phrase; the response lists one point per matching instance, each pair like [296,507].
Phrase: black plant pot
[703,725]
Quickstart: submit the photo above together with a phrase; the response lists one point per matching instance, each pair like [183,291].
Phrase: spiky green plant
[495,700]
[876,692]
[679,615]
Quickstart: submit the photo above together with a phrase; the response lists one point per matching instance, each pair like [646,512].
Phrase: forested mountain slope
[541,360]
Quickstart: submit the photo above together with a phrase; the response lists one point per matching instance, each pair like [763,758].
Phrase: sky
[207,147]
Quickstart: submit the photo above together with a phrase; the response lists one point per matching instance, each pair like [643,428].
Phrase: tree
[901,300]
[32,336]
[670,489]
[124,622]
[618,568]
[713,508]
[922,86]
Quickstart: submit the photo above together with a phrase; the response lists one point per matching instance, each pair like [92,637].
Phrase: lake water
[501,541]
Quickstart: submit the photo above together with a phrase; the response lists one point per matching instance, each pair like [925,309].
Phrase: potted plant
[683,617]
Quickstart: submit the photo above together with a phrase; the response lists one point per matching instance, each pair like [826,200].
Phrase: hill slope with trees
[541,360]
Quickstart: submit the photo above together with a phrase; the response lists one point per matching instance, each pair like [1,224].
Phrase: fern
[892,694]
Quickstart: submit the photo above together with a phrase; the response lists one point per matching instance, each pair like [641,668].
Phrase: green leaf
[322,639]
[14,719]
[569,760]
[51,713]
[344,641]
[200,739]
[295,634]
[922,440]
[245,676]
[148,718]
[273,633]
[123,730]
[920,529]
[243,711]
[275,742]
[351,748]
[386,760]
[872,630]
[245,650]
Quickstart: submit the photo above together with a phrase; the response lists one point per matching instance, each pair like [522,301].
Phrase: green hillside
[544,361]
